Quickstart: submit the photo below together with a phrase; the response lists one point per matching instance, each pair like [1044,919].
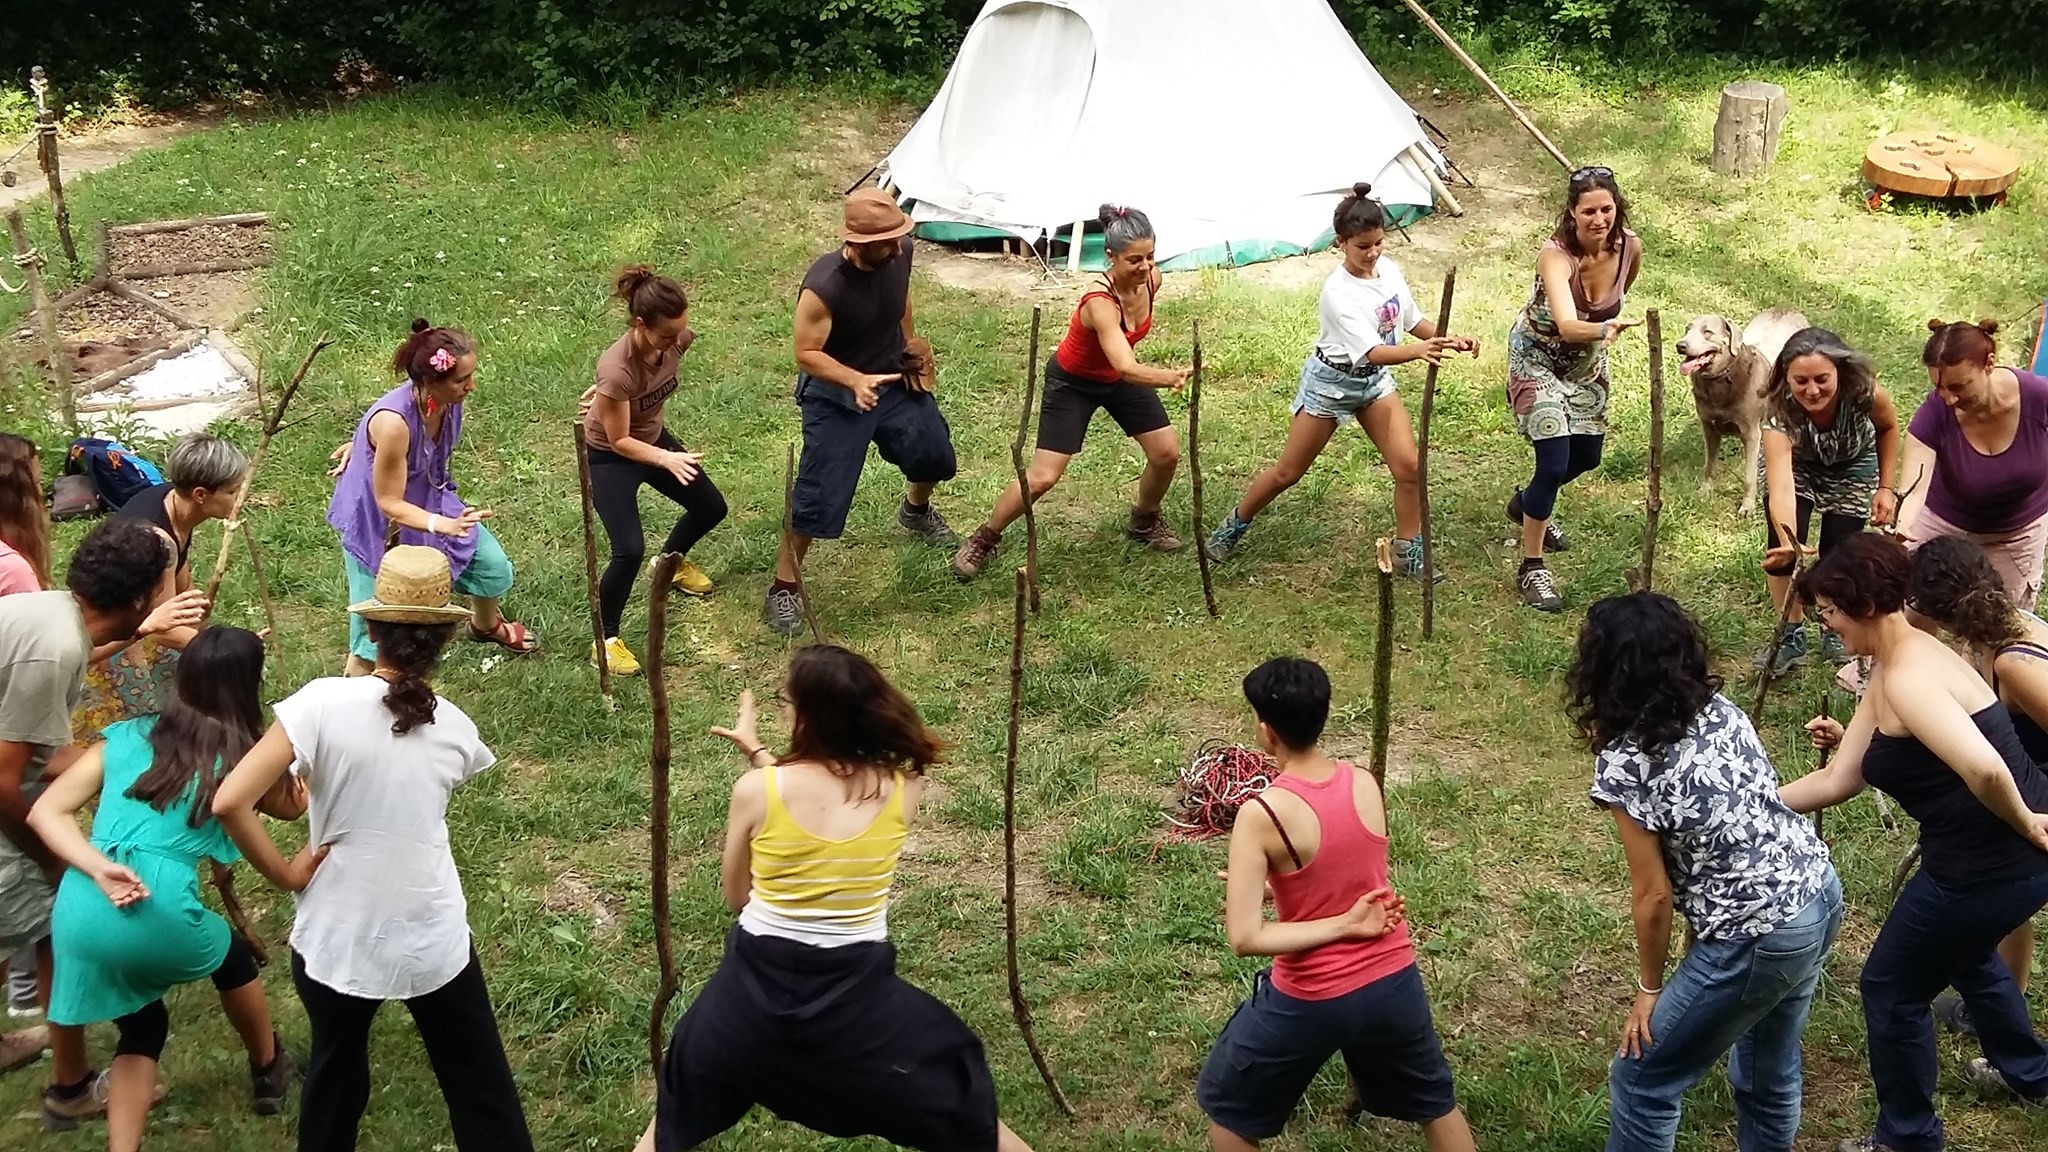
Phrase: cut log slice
[1940,163]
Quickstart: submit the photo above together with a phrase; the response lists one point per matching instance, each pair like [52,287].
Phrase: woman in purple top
[394,487]
[1977,456]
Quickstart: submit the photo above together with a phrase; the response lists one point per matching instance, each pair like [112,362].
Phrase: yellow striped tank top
[818,891]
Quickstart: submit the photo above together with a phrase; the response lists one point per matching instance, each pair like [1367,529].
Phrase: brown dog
[1729,375]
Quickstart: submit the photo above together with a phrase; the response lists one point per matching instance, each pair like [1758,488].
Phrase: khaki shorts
[2016,554]
[25,900]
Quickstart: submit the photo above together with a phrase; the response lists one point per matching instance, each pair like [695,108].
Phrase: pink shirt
[16,574]
[1351,861]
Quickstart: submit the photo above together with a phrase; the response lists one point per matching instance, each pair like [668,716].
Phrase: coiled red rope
[1215,784]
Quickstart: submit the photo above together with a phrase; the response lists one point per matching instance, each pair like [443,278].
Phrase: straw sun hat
[412,588]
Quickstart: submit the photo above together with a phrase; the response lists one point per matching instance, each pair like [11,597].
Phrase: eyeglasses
[1594,173]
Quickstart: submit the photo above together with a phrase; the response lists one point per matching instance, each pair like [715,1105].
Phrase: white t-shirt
[384,917]
[1359,315]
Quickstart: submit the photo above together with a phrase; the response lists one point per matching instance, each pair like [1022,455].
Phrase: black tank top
[867,310]
[1962,843]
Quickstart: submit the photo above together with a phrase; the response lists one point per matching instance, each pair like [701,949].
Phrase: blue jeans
[1939,936]
[1748,998]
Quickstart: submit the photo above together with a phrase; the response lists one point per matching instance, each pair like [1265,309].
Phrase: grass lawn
[511,226]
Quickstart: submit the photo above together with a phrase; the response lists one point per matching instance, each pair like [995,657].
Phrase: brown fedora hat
[413,587]
[872,216]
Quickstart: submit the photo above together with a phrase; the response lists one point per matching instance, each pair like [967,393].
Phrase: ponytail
[648,295]
[1358,213]
[1122,226]
[414,359]
[410,652]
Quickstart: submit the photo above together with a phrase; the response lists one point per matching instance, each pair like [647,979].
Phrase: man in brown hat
[863,377]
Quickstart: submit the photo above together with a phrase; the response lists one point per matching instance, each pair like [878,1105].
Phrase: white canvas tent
[1234,124]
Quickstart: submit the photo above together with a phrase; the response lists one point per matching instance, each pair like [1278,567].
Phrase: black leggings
[615,492]
[143,1031]
[1559,461]
[1835,527]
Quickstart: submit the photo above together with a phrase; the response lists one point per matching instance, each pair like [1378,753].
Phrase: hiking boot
[1787,654]
[1225,539]
[23,1047]
[689,579]
[927,525]
[1554,539]
[1408,561]
[1149,529]
[1539,589]
[783,610]
[619,657]
[1864,1144]
[1832,652]
[975,553]
[63,1110]
[269,1085]
[1982,1075]
[1952,1014]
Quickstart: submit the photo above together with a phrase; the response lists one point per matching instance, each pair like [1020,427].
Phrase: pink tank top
[1351,861]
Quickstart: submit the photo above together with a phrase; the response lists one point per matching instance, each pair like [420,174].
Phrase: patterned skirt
[1556,388]
[133,682]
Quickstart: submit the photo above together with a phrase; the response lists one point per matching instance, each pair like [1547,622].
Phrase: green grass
[511,225]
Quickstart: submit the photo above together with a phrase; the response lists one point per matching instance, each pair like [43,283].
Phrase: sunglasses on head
[1594,173]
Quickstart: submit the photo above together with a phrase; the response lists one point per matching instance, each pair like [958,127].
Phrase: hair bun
[1108,212]
[1361,189]
[421,324]
[1936,324]
[1988,327]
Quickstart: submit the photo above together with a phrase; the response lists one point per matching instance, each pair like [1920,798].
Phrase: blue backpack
[116,472]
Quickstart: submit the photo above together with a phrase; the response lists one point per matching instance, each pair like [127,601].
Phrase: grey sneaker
[927,525]
[1952,1014]
[1981,1074]
[1149,529]
[783,610]
[269,1085]
[1554,539]
[1864,1144]
[975,553]
[1224,540]
[1832,652]
[1408,561]
[1785,655]
[1539,589]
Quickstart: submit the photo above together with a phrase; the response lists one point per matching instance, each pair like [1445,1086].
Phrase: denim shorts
[906,428]
[489,575]
[1337,395]
[1275,1044]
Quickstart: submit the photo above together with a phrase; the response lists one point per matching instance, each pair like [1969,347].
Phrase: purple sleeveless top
[354,513]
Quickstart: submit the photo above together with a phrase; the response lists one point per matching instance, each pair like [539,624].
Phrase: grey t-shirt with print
[43,653]
[1740,862]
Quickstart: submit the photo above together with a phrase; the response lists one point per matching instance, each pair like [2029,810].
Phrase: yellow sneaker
[618,656]
[691,579]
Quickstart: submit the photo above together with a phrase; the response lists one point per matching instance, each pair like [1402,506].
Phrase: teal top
[112,961]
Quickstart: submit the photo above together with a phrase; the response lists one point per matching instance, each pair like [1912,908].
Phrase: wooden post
[1019,1007]
[1472,66]
[46,159]
[1383,665]
[1643,577]
[30,262]
[1826,754]
[275,639]
[1747,131]
[270,426]
[597,636]
[1768,672]
[1074,246]
[103,260]
[658,773]
[1195,473]
[1017,461]
[1443,328]
[1437,187]
[803,594]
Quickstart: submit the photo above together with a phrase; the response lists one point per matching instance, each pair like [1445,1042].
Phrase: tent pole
[1436,182]
[1074,246]
[1472,65]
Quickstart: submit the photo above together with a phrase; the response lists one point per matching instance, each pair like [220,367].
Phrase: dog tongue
[1691,365]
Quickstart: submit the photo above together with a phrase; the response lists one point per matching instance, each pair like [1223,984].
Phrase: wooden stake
[231,906]
[275,641]
[1383,665]
[604,666]
[1826,754]
[1018,1006]
[192,268]
[1768,673]
[1472,65]
[46,159]
[1443,328]
[803,594]
[103,261]
[270,427]
[30,262]
[1195,472]
[658,768]
[1642,578]
[232,220]
[1017,460]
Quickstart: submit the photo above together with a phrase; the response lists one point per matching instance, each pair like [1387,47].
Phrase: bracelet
[1887,488]
[1603,328]
[431,530]
[758,749]
[1646,989]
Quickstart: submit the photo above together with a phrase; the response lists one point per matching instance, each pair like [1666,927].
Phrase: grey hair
[203,461]
[1123,226]
[1856,374]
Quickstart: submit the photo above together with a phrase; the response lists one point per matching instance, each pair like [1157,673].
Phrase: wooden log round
[1747,132]
[1941,164]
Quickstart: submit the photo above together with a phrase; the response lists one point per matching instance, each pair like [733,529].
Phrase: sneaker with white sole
[1980,1073]
[1538,588]
[1408,561]
[1554,539]
[617,656]
[1225,539]
[1864,1144]
[783,610]
[975,553]
[689,579]
[927,525]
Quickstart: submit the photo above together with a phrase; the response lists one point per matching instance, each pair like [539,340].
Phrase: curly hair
[1954,585]
[1855,375]
[1866,576]
[119,565]
[414,359]
[24,521]
[1640,674]
[849,718]
[410,650]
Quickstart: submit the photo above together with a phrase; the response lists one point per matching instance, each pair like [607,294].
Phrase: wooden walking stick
[1195,471]
[1017,459]
[271,424]
[1018,1006]
[1769,671]
[1826,754]
[1472,65]
[796,562]
[231,907]
[597,637]
[1443,328]
[31,263]
[1641,578]
[46,159]
[658,766]
[1383,664]
[275,637]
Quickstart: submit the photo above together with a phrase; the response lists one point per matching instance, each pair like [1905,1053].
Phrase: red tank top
[1351,861]
[1080,354]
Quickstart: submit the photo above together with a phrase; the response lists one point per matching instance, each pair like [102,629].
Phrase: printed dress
[1558,388]
[1836,467]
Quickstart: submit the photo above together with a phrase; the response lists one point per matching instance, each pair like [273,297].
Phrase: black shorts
[1275,1044]
[1070,403]
[905,426]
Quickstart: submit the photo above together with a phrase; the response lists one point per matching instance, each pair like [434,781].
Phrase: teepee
[1234,124]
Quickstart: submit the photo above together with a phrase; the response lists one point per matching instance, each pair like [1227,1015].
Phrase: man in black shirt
[863,377]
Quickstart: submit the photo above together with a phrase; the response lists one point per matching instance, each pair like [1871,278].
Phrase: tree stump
[1747,131]
[1938,163]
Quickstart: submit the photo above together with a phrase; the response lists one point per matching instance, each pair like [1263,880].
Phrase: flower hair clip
[442,360]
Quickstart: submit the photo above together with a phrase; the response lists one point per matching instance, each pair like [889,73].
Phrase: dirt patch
[103,316]
[189,245]
[215,299]
[571,894]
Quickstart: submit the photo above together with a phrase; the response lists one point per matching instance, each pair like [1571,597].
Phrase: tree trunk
[1747,131]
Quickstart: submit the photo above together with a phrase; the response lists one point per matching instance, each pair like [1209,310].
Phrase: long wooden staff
[1383,664]
[1769,671]
[1195,472]
[1472,65]
[658,766]
[231,905]
[271,424]
[1017,460]
[1826,754]
[1443,328]
[597,637]
[1643,576]
[1018,1006]
[796,562]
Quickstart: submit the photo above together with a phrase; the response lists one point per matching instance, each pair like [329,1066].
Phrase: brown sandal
[510,635]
